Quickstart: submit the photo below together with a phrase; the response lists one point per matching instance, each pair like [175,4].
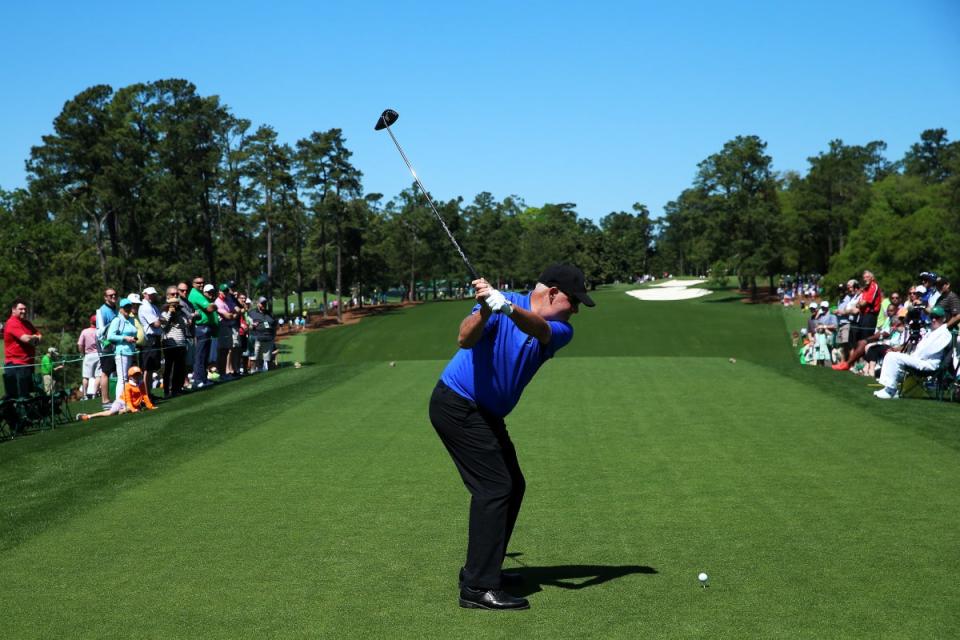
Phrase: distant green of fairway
[318,502]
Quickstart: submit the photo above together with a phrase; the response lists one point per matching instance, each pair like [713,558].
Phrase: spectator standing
[108,364]
[894,300]
[210,293]
[229,332]
[869,305]
[949,300]
[87,345]
[174,321]
[930,292]
[149,316]
[122,333]
[183,290]
[847,311]
[814,309]
[263,331]
[205,318]
[20,340]
[48,370]
[135,300]
[244,332]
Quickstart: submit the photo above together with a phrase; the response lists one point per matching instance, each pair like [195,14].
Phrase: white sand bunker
[672,293]
[671,290]
[678,283]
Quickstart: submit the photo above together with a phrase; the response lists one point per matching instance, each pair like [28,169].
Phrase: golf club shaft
[423,189]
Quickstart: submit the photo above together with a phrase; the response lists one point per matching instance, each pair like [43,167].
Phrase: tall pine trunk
[339,278]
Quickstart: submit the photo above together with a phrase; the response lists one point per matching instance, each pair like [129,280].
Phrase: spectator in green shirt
[205,330]
[47,369]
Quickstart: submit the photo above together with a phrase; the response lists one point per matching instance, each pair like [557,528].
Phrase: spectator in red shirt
[870,301]
[20,340]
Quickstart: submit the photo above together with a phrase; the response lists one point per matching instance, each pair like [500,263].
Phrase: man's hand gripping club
[491,298]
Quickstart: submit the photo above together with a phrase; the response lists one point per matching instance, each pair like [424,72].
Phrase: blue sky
[603,103]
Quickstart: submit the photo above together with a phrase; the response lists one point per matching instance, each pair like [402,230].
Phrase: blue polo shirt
[495,371]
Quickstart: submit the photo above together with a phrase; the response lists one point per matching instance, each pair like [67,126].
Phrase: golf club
[387,118]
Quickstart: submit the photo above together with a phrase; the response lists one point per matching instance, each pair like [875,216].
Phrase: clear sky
[599,103]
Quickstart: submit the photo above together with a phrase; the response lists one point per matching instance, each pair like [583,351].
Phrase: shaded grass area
[351,522]
[52,476]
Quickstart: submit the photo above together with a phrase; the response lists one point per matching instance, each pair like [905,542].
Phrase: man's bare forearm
[471,329]
[532,324]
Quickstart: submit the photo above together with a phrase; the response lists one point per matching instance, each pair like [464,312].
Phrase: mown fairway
[319,503]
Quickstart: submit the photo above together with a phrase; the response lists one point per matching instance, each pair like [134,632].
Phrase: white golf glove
[498,303]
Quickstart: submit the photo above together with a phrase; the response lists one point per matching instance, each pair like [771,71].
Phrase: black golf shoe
[492,599]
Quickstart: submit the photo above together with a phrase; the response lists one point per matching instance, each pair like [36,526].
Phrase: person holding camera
[175,324]
[263,331]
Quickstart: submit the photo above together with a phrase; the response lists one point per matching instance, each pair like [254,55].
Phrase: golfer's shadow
[570,576]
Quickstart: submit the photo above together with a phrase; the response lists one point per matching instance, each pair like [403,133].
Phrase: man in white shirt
[149,315]
[926,356]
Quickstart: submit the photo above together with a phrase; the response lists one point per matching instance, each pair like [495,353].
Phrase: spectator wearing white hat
[814,310]
[136,301]
[149,316]
[826,319]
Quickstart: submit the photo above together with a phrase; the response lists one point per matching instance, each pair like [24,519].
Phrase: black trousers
[481,449]
[174,370]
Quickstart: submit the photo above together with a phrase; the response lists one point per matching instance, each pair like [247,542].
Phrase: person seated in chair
[926,356]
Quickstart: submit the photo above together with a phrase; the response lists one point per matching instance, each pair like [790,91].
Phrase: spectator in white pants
[87,344]
[925,357]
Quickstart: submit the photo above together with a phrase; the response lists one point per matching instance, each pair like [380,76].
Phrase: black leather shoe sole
[467,604]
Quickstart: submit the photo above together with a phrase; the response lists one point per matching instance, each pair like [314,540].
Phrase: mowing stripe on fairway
[338,514]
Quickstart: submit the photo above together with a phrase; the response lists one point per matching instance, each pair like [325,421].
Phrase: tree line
[853,210]
[154,183]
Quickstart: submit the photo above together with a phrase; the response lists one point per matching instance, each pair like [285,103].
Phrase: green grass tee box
[323,504]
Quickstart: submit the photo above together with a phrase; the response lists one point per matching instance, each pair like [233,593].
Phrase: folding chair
[6,430]
[938,383]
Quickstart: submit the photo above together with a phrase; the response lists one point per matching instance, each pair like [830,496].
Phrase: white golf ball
[702,577]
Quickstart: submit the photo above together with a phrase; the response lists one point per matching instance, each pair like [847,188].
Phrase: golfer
[504,341]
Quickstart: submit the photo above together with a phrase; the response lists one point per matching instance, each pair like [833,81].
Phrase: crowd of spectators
[185,339]
[881,336]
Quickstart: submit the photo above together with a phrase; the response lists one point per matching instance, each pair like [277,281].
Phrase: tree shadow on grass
[736,297]
[570,576]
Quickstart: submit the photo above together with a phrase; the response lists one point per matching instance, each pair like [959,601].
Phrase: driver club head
[387,118]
